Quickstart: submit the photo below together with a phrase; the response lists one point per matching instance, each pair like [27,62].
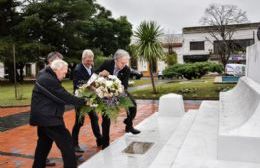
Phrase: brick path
[17,145]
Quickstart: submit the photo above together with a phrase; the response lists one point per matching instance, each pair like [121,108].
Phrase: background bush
[171,59]
[99,60]
[192,70]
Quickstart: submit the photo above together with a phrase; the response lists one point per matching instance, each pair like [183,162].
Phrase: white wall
[2,70]
[253,62]
[33,69]
[208,39]
[179,52]
[142,65]
[193,37]
[161,65]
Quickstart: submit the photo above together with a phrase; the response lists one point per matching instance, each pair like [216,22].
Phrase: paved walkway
[148,85]
[17,144]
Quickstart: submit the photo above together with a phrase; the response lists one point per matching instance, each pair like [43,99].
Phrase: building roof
[205,29]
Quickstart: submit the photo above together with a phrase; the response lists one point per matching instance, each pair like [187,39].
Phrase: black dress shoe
[132,130]
[104,146]
[50,163]
[78,157]
[78,149]
[99,142]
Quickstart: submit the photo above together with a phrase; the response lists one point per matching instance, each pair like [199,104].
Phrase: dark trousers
[79,123]
[61,136]
[106,130]
[131,112]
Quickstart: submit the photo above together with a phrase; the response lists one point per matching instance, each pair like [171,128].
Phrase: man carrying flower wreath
[118,67]
[81,75]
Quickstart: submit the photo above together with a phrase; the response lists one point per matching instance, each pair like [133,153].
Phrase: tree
[171,59]
[57,23]
[108,34]
[9,17]
[50,25]
[37,27]
[170,41]
[222,20]
[149,47]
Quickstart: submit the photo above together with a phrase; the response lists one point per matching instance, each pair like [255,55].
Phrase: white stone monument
[171,105]
[239,117]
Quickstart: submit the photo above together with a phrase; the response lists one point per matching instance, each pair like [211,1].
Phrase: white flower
[113,77]
[93,78]
[109,83]
[77,93]
[103,86]
[120,89]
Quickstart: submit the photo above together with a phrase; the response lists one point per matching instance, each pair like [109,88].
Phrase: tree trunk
[152,79]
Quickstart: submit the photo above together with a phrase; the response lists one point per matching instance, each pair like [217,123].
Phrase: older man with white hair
[54,55]
[119,67]
[47,108]
[81,75]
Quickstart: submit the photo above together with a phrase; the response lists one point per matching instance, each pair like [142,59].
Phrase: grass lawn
[7,93]
[200,89]
[195,89]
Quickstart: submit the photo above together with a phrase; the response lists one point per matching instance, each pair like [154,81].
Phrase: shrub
[192,70]
[173,71]
[171,59]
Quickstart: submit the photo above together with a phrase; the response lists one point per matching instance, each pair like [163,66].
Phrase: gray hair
[58,64]
[53,56]
[121,53]
[87,53]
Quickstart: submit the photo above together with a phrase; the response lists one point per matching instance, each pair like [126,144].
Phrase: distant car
[235,69]
[6,76]
[135,74]
[160,75]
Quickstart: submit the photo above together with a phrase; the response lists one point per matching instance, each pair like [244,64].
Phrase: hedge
[192,70]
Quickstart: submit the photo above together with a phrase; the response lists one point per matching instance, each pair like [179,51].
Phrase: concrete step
[155,129]
[168,153]
[199,149]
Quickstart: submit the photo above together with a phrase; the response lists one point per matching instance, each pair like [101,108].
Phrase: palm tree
[148,45]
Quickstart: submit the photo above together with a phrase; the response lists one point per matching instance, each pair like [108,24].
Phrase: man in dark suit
[81,75]
[47,108]
[50,58]
[119,67]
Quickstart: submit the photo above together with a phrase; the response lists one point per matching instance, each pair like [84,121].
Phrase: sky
[173,15]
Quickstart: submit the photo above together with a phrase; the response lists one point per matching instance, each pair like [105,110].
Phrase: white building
[2,70]
[170,42]
[29,70]
[196,42]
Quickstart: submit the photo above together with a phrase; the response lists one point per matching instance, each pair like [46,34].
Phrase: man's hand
[104,73]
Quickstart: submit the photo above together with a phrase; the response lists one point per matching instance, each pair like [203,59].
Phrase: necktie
[116,71]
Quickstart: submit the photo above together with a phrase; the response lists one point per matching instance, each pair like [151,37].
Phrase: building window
[198,45]
[234,45]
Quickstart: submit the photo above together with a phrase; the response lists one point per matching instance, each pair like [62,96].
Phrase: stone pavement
[17,144]
[157,82]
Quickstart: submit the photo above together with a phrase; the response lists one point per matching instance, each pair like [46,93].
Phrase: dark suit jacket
[123,74]
[49,99]
[80,76]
